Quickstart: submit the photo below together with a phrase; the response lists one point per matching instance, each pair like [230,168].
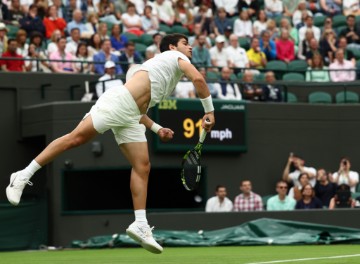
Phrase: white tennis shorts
[117,110]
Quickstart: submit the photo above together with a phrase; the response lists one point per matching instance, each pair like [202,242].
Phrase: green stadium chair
[180,29]
[320,98]
[346,97]
[265,199]
[259,77]
[240,75]
[132,37]
[299,66]
[244,43]
[278,67]
[356,52]
[233,77]
[12,30]
[319,21]
[164,28]
[212,75]
[339,29]
[146,39]
[291,97]
[141,48]
[293,77]
[339,20]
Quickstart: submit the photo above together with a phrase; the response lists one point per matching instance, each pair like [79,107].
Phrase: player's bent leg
[81,134]
[137,154]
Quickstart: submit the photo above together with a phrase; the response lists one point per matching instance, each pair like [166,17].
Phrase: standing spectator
[348,73]
[251,6]
[226,89]
[22,46]
[118,40]
[331,7]
[237,57]
[165,12]
[346,176]
[324,189]
[84,64]
[3,38]
[108,80]
[219,203]
[351,32]
[247,200]
[221,22]
[149,21]
[317,72]
[294,167]
[72,44]
[183,16]
[32,22]
[107,12]
[260,24]
[105,55]
[53,22]
[309,24]
[129,57]
[281,202]
[12,65]
[249,90]
[271,92]
[351,7]
[295,191]
[200,54]
[257,58]
[308,200]
[268,46]
[243,26]
[273,8]
[77,22]
[16,12]
[218,53]
[328,44]
[230,6]
[64,65]
[131,21]
[298,14]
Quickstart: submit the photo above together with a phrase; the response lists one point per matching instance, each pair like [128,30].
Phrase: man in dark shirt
[324,189]
[351,32]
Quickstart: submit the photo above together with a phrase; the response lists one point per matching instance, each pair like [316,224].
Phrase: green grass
[208,255]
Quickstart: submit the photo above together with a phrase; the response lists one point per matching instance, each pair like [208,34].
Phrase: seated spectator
[197,33]
[247,200]
[72,44]
[273,8]
[348,73]
[348,54]
[22,46]
[63,59]
[226,89]
[351,7]
[201,55]
[219,203]
[42,6]
[218,53]
[77,22]
[342,198]
[107,12]
[131,21]
[185,89]
[103,31]
[346,176]
[331,7]
[243,26]
[351,32]
[272,29]
[290,6]
[271,92]
[92,7]
[308,199]
[130,56]
[12,65]
[313,49]
[298,14]
[231,7]
[257,58]
[84,64]
[105,55]
[295,191]
[237,57]
[252,7]
[32,64]
[249,90]
[212,89]
[183,16]
[268,46]
[108,80]
[285,48]
[313,6]
[294,167]
[281,202]
[52,22]
[317,72]
[165,12]
[204,17]
[155,47]
[37,38]
[304,45]
[260,24]
[309,24]
[32,22]
[16,12]
[52,45]
[324,189]
[293,32]
[118,40]
[328,44]
[95,44]
[92,24]
[61,9]
[221,22]
[3,38]
[149,21]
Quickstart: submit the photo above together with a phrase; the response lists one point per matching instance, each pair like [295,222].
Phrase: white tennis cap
[109,64]
[220,39]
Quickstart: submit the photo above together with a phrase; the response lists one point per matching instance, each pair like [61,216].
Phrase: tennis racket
[191,165]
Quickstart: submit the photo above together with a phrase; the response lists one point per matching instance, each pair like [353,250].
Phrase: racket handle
[203,133]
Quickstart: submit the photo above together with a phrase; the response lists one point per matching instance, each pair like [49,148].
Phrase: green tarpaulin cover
[259,232]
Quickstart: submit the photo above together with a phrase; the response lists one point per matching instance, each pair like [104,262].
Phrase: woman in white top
[84,59]
[52,46]
[260,24]
[132,21]
[273,8]
[243,25]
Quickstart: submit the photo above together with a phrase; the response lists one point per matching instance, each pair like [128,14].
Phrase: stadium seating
[291,97]
[141,48]
[146,39]
[299,66]
[244,43]
[346,97]
[180,29]
[131,37]
[339,20]
[293,77]
[212,75]
[319,21]
[164,28]
[278,67]
[320,98]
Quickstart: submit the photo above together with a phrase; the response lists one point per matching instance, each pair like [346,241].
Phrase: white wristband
[155,128]
[207,104]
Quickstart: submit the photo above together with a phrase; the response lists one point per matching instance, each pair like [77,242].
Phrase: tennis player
[123,110]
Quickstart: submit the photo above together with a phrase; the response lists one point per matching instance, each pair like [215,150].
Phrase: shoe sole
[147,246]
[8,189]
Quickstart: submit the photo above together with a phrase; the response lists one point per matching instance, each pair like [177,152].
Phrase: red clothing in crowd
[12,65]
[285,50]
[51,25]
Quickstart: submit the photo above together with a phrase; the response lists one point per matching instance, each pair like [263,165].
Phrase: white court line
[305,259]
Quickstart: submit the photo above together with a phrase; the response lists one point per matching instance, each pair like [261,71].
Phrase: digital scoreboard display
[184,117]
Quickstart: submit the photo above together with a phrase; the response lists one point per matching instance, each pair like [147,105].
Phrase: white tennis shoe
[16,187]
[142,233]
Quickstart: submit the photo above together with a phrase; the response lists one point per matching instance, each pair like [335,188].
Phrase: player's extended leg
[138,156]
[83,133]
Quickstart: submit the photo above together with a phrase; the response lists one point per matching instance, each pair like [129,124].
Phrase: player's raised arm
[202,91]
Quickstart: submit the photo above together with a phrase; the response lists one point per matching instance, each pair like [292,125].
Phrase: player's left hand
[165,134]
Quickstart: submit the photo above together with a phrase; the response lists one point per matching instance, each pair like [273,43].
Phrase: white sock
[140,216]
[29,171]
